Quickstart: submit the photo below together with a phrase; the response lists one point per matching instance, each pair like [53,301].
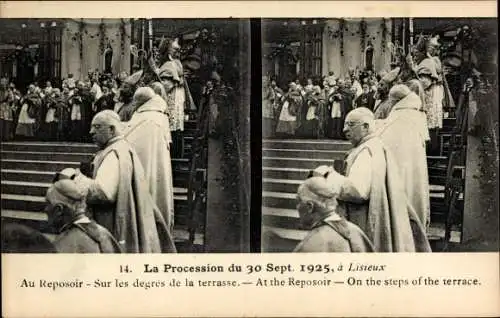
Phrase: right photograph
[380,135]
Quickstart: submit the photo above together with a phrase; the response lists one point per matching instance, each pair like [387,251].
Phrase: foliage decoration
[342,26]
[123,35]
[102,37]
[384,34]
[362,32]
[81,30]
[285,52]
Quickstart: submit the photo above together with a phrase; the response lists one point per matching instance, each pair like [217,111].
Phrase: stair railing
[454,188]
[197,191]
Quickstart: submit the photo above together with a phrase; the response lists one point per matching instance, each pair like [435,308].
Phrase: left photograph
[112,130]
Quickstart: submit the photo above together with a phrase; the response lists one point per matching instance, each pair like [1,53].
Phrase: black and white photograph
[113,130]
[250,157]
[380,135]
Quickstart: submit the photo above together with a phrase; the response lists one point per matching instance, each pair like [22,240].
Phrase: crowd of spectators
[48,113]
[317,108]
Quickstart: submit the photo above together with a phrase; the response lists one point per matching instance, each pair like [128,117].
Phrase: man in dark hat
[383,104]
[107,99]
[66,209]
[366,99]
[127,90]
[81,113]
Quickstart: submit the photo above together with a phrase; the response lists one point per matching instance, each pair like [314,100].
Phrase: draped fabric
[339,236]
[133,219]
[387,219]
[148,132]
[404,133]
[87,237]
[179,98]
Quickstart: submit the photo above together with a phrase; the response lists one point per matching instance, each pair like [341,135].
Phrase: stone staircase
[286,163]
[27,169]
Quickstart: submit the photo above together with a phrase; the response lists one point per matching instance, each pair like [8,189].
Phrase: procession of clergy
[125,204]
[381,203]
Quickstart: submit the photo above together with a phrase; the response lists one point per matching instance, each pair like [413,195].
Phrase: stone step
[279,200]
[280,185]
[437,171]
[285,173]
[293,173]
[291,186]
[180,177]
[435,188]
[181,236]
[64,147]
[438,180]
[39,221]
[47,156]
[32,203]
[301,153]
[293,235]
[437,159]
[51,147]
[37,165]
[288,200]
[35,220]
[281,218]
[31,175]
[40,188]
[190,124]
[55,166]
[281,232]
[276,239]
[306,144]
[303,163]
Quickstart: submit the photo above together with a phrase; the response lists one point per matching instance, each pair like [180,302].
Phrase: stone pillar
[228,170]
[480,223]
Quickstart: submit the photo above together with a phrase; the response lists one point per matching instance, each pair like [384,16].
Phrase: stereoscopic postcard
[249,158]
